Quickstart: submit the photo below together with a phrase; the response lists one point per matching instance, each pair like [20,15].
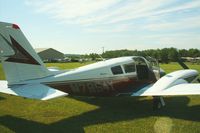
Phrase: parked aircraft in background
[27,75]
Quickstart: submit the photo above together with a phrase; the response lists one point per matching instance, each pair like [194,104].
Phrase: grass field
[90,114]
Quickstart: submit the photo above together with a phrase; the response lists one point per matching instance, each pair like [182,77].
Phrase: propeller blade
[184,66]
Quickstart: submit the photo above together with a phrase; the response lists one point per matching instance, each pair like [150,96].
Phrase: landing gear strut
[158,102]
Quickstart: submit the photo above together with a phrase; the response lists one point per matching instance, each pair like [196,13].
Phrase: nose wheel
[158,102]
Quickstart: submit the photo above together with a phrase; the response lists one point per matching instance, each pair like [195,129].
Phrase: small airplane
[28,77]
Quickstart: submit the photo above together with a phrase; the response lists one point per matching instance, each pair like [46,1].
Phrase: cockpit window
[116,70]
[140,61]
[129,67]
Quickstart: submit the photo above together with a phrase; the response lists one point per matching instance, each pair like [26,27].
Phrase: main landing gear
[158,102]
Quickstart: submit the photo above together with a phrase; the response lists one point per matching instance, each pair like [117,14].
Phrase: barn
[49,54]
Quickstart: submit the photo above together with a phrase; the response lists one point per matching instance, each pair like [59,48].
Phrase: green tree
[193,52]
[164,55]
[183,53]
[93,56]
[173,54]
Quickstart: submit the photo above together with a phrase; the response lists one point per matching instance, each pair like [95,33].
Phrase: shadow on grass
[2,98]
[112,109]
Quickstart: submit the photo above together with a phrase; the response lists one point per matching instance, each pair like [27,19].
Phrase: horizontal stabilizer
[35,91]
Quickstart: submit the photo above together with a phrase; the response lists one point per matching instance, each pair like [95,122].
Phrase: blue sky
[85,26]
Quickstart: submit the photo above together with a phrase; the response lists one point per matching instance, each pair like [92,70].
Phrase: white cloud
[181,24]
[185,6]
[67,10]
[97,15]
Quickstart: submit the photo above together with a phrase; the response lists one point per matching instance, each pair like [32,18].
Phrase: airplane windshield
[142,68]
[153,63]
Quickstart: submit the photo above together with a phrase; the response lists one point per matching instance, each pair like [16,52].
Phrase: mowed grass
[2,75]
[90,114]
[174,66]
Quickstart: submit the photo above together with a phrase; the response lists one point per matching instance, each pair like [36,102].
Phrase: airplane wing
[181,89]
[35,91]
[176,83]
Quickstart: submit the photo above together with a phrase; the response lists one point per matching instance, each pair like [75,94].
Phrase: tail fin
[19,59]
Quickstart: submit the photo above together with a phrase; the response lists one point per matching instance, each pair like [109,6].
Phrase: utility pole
[102,50]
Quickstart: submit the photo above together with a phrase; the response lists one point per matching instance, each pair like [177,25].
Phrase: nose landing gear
[158,102]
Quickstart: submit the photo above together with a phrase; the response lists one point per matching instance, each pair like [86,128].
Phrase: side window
[116,70]
[129,68]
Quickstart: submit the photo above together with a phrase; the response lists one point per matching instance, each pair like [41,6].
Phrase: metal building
[49,54]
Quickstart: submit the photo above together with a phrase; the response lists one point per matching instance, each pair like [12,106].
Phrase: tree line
[164,55]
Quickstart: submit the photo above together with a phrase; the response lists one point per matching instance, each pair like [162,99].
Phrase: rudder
[20,61]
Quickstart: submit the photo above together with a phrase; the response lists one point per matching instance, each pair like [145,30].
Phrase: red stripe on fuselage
[100,87]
